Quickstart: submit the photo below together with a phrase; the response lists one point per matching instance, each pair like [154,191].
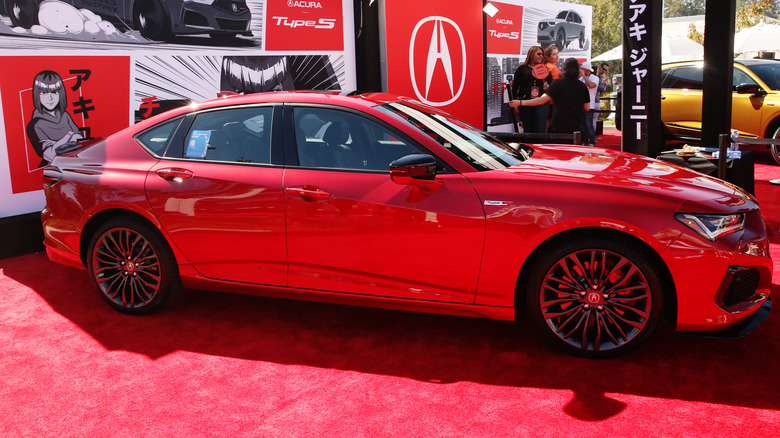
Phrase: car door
[681,96]
[351,229]
[218,194]
[746,108]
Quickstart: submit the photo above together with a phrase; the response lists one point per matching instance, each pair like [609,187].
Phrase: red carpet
[229,365]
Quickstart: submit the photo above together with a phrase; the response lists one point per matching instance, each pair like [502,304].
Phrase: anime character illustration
[51,130]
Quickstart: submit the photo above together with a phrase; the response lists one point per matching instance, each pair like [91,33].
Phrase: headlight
[712,226]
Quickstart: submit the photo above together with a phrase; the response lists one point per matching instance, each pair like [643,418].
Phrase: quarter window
[154,140]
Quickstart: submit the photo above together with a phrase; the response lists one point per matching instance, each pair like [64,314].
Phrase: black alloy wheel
[23,13]
[152,20]
[595,298]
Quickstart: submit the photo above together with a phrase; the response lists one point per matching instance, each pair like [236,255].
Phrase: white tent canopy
[673,48]
[763,37]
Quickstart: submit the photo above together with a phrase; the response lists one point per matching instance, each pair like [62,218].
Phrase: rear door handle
[175,174]
[309,193]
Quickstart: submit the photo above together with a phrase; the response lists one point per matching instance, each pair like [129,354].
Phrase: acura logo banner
[434,54]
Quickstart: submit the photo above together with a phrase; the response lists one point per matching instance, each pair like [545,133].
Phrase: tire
[23,13]
[151,19]
[581,39]
[560,40]
[595,297]
[132,266]
[774,148]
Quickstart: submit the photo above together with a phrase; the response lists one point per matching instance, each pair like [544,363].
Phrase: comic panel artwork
[165,82]
[50,103]
[236,23]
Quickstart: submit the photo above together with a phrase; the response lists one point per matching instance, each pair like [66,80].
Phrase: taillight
[51,175]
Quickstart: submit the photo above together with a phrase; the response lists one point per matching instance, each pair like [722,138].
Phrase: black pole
[641,96]
[718,70]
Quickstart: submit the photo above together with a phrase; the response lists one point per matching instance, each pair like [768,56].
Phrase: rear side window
[690,78]
[235,135]
[154,140]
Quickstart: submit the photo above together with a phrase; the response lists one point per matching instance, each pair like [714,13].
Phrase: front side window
[334,139]
[237,135]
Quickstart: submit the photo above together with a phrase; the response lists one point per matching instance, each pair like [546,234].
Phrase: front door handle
[309,193]
[175,174]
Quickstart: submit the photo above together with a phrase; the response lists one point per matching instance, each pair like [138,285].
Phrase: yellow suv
[755,103]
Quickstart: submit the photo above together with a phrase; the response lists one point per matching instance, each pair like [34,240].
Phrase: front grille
[742,286]
[232,24]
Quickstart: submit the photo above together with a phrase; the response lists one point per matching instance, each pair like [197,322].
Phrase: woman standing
[531,81]
[551,59]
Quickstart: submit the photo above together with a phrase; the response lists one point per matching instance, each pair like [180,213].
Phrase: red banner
[304,25]
[505,29]
[434,54]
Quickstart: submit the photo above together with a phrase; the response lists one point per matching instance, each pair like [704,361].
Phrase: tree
[683,8]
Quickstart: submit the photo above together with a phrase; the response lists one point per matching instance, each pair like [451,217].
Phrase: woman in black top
[530,81]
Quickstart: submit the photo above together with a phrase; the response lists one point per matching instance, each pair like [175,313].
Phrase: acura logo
[439,51]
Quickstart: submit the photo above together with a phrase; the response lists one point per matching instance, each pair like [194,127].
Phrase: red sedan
[381,201]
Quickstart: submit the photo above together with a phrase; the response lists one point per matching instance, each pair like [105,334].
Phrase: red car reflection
[381,201]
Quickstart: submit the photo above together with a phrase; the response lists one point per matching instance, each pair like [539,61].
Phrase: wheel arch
[104,216]
[664,275]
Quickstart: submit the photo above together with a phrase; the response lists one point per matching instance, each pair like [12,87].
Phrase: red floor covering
[229,365]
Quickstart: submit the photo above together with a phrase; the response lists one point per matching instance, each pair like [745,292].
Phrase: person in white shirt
[592,81]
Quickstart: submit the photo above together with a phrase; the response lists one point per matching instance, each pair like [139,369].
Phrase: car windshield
[768,72]
[481,150]
[561,15]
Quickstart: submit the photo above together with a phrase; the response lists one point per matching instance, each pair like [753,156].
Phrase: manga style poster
[102,65]
[51,102]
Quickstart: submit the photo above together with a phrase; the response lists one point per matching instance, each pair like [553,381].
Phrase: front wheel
[560,40]
[23,13]
[132,266]
[595,297]
[775,148]
[151,19]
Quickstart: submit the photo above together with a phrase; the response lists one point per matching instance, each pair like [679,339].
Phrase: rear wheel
[23,13]
[595,297]
[132,266]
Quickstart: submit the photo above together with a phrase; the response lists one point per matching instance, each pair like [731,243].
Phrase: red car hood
[622,170]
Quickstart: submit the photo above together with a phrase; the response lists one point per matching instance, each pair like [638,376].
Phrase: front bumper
[740,330]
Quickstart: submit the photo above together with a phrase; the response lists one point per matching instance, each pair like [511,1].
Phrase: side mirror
[415,169]
[753,89]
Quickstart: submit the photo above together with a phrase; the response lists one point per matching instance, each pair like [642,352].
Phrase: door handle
[175,174]
[309,193]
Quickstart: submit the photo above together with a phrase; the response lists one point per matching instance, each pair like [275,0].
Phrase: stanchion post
[723,150]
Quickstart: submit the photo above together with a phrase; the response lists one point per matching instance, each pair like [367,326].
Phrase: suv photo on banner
[516,27]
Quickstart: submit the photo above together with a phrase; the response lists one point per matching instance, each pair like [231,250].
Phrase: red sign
[434,55]
[505,29]
[91,92]
[304,25]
